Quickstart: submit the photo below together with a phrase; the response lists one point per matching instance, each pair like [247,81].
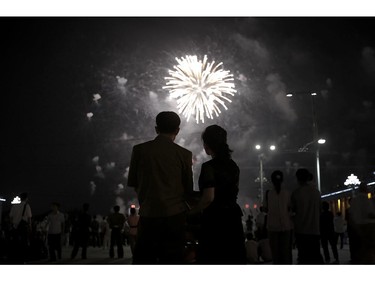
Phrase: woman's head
[215,141]
[277,178]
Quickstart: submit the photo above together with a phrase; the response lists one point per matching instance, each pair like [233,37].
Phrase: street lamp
[315,131]
[261,176]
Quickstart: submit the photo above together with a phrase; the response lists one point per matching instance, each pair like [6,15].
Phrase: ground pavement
[101,256]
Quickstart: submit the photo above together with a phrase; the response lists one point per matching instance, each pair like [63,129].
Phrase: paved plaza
[101,256]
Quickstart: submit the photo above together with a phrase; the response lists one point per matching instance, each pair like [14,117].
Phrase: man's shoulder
[142,145]
[182,149]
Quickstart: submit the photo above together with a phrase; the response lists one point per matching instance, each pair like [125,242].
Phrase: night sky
[52,67]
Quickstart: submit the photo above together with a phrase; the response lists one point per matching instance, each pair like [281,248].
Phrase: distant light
[321,141]
[272,147]
[132,206]
[339,204]
[369,195]
[352,180]
[371,183]
[90,115]
[120,186]
[2,199]
[258,147]
[255,206]
[247,206]
[313,94]
[289,95]
[16,200]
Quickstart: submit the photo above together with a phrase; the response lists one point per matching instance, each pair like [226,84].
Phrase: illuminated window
[339,204]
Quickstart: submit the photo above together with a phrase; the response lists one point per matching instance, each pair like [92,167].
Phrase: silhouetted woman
[279,223]
[221,238]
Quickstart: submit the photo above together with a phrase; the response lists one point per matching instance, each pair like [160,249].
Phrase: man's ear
[177,131]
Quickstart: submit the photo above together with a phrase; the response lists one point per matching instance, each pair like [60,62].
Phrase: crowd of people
[24,239]
[177,225]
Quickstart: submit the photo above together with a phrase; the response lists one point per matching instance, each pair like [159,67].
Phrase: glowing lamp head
[321,141]
[272,147]
[257,147]
[289,95]
[313,94]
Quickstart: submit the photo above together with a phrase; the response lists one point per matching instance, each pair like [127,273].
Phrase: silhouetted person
[56,225]
[161,174]
[133,220]
[82,232]
[260,222]
[339,224]
[221,238]
[305,201]
[116,223]
[20,219]
[95,232]
[327,233]
[362,214]
[251,249]
[105,233]
[249,223]
[279,224]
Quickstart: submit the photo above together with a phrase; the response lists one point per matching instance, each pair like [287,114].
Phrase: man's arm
[187,179]
[132,176]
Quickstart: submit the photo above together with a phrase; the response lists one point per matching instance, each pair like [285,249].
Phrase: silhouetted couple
[161,174]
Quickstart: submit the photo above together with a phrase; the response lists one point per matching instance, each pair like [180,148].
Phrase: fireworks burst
[199,87]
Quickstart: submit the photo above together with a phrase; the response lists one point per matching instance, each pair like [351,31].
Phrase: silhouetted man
[20,219]
[82,232]
[56,223]
[306,207]
[161,174]
[116,223]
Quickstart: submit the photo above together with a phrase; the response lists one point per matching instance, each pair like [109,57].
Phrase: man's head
[23,196]
[55,206]
[116,209]
[303,176]
[167,122]
[85,207]
[325,206]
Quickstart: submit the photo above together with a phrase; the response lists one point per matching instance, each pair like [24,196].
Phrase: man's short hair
[116,208]
[23,196]
[303,175]
[167,122]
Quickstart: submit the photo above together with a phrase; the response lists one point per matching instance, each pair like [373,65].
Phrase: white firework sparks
[199,87]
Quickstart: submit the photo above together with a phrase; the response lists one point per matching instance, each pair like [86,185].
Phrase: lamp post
[315,132]
[261,174]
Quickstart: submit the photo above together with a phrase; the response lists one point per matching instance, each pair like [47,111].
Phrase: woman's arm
[206,199]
